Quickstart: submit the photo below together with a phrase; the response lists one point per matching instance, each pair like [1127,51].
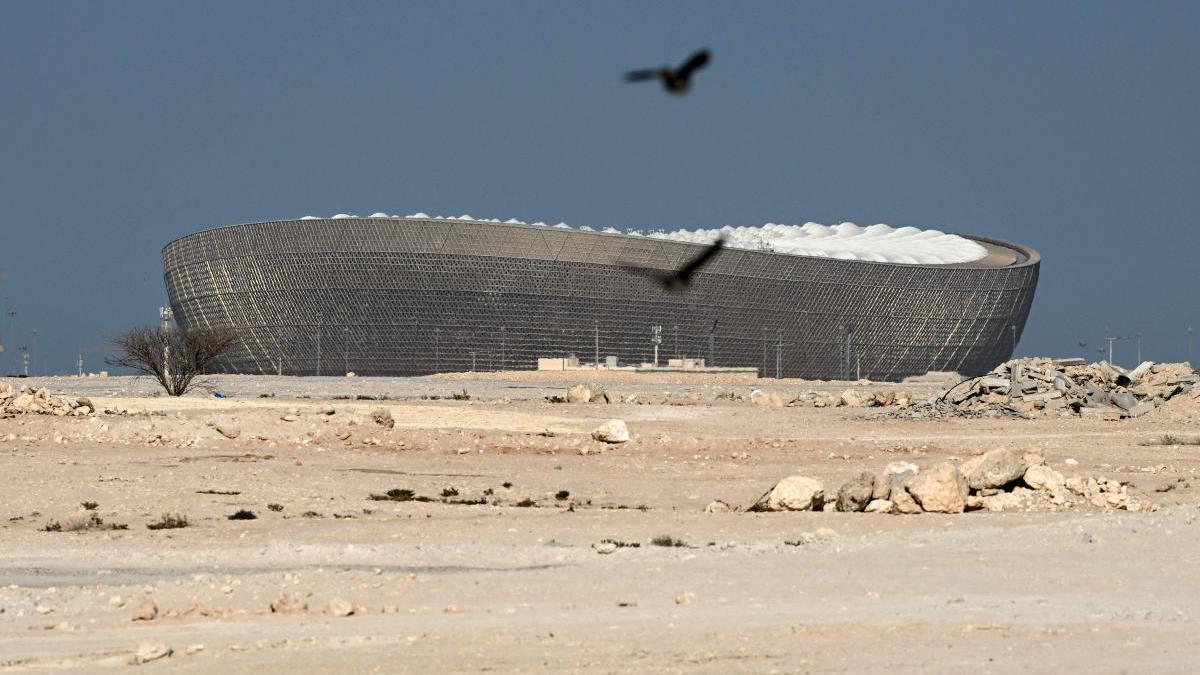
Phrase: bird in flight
[678,280]
[676,81]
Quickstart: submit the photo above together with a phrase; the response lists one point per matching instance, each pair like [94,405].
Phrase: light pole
[25,359]
[12,334]
[778,353]
[34,351]
[320,322]
[596,345]
[1189,332]
[1138,335]
[712,336]
[165,315]
[656,339]
[1012,331]
[437,350]
[346,348]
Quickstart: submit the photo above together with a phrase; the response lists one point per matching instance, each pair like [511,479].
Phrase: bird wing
[648,272]
[641,75]
[695,62]
[699,261]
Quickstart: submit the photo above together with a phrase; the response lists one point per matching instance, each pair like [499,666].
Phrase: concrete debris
[1040,386]
[25,401]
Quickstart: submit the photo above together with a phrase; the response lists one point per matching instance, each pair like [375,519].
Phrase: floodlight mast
[165,314]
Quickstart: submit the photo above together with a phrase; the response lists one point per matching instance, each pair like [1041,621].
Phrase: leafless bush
[175,357]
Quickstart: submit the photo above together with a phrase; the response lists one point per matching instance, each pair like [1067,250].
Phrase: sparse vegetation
[174,357]
[311,514]
[400,495]
[243,514]
[464,396]
[89,506]
[667,540]
[562,494]
[92,522]
[169,522]
[449,492]
[1171,439]
[218,492]
[526,503]
[621,544]
[275,507]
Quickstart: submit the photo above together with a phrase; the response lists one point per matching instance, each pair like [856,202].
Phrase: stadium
[412,295]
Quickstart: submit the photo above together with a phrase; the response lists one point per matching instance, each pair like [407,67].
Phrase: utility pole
[778,353]
[596,345]
[34,353]
[676,329]
[346,348]
[165,315]
[25,359]
[1189,332]
[79,363]
[656,339]
[472,362]
[320,322]
[503,346]
[1012,331]
[846,350]
[712,334]
[1138,335]
[437,350]
[12,334]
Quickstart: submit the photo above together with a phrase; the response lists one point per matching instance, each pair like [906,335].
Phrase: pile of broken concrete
[24,401]
[1040,386]
[999,480]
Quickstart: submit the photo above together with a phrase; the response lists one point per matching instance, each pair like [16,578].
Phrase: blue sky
[1071,127]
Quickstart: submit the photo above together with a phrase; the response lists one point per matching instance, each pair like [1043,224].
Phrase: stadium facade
[417,295]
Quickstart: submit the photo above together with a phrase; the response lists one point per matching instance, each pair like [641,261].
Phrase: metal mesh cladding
[391,296]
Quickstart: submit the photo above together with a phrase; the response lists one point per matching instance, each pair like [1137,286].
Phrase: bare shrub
[174,357]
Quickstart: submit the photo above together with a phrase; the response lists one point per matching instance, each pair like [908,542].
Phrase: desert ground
[527,545]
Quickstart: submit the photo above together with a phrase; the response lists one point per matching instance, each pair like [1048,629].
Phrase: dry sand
[445,587]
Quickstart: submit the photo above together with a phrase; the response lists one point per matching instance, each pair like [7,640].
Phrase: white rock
[612,431]
[151,651]
[794,493]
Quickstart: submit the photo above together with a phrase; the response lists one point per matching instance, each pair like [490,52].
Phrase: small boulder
[718,506]
[879,506]
[383,417]
[854,399]
[612,431]
[151,651]
[228,431]
[794,493]
[340,607]
[903,502]
[994,469]
[147,611]
[766,398]
[579,394]
[894,474]
[856,494]
[941,489]
[1042,477]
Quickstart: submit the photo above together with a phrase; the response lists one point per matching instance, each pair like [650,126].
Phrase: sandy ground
[516,584]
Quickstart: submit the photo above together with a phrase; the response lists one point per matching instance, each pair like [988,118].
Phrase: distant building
[416,295]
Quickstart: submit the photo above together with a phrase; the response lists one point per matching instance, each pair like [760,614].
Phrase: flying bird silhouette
[678,280]
[676,81]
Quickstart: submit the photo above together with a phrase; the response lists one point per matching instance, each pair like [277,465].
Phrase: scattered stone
[228,431]
[579,394]
[718,506]
[612,431]
[1041,477]
[151,651]
[941,489]
[856,494]
[879,506]
[383,417]
[994,469]
[192,650]
[340,607]
[794,493]
[147,611]
[765,398]
[604,547]
[287,605]
[687,598]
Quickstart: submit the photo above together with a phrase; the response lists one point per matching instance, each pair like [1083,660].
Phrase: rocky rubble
[998,480]
[1040,386]
[23,401]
